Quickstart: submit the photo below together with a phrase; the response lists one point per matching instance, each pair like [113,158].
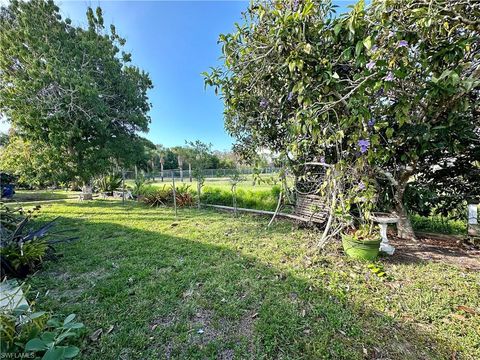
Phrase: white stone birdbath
[383,219]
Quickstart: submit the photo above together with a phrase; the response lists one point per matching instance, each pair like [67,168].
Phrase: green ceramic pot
[361,249]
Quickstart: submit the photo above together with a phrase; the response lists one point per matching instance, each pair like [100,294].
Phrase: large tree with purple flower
[390,89]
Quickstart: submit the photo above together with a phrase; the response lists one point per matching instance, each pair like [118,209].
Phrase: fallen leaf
[110,329]
[200,331]
[254,315]
[467,309]
[458,316]
[96,335]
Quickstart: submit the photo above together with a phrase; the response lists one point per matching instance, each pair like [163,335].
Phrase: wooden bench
[310,208]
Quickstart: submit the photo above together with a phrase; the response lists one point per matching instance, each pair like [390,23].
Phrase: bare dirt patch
[437,248]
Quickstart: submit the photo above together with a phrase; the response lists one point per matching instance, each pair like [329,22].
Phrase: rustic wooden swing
[307,205]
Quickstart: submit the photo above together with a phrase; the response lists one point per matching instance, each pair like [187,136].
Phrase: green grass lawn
[223,183]
[211,286]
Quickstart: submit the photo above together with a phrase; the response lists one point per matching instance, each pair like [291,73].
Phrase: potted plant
[362,243]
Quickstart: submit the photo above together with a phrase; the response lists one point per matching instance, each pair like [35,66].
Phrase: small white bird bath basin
[383,219]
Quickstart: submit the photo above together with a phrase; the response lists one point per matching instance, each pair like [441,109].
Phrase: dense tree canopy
[390,89]
[71,90]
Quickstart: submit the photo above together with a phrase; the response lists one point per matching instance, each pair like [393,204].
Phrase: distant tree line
[177,157]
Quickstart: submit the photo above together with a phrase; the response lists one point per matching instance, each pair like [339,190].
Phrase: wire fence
[187,175]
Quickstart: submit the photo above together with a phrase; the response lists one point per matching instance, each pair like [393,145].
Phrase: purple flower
[290,96]
[361,185]
[374,48]
[389,76]
[322,159]
[263,103]
[402,43]
[295,5]
[371,65]
[364,144]
[371,122]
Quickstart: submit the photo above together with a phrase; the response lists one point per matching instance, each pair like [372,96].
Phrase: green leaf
[73,326]
[71,351]
[337,28]
[358,48]
[367,42]
[54,354]
[389,133]
[36,315]
[35,345]
[291,66]
[68,319]
[53,323]
[21,309]
[48,337]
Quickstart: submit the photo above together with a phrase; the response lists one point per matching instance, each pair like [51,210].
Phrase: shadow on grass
[161,296]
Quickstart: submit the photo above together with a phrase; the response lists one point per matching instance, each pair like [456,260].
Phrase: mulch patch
[438,248]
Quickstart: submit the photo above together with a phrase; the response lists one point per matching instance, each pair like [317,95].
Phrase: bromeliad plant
[163,196]
[22,247]
[139,185]
[109,183]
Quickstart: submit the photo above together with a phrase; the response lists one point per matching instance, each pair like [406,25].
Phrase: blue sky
[174,41]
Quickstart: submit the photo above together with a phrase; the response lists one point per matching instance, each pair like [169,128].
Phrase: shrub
[25,331]
[438,224]
[139,185]
[22,249]
[163,196]
[158,196]
[184,196]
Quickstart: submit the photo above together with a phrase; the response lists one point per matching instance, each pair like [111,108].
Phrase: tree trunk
[199,190]
[404,226]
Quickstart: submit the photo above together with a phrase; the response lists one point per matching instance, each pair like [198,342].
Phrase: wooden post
[190,171]
[162,160]
[180,166]
[174,194]
[123,187]
[199,189]
[234,198]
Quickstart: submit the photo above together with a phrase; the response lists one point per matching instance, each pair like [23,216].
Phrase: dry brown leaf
[96,334]
[467,309]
